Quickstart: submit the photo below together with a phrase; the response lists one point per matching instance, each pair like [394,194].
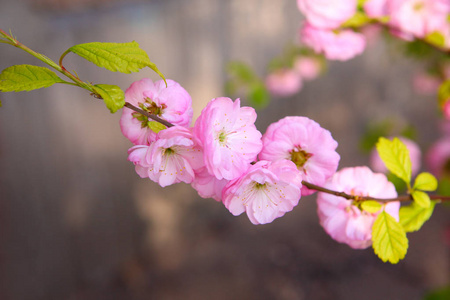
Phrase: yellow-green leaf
[26,78]
[436,38]
[444,92]
[426,182]
[421,198]
[116,57]
[389,239]
[112,95]
[395,156]
[413,216]
[371,206]
[156,126]
[357,20]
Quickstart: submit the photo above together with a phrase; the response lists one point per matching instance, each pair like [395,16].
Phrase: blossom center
[152,108]
[169,151]
[300,157]
[222,137]
[418,6]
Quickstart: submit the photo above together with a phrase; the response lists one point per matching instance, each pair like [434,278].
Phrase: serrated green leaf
[395,156]
[112,95]
[426,182]
[389,239]
[26,78]
[421,198]
[371,206]
[436,38]
[156,126]
[116,57]
[413,216]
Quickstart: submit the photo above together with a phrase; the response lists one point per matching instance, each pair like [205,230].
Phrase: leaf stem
[14,42]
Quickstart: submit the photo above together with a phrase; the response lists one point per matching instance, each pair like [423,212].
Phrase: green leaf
[371,206]
[395,156]
[156,126]
[425,182]
[116,57]
[436,38]
[26,78]
[241,72]
[444,92]
[389,239]
[357,20]
[439,294]
[421,198]
[413,216]
[258,96]
[112,95]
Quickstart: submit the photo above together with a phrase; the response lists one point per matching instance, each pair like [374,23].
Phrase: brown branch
[401,198]
[148,115]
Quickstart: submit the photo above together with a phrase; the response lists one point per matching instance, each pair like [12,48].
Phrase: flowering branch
[402,198]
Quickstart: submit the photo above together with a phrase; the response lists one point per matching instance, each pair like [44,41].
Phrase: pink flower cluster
[407,19]
[322,32]
[223,156]
[289,81]
[219,155]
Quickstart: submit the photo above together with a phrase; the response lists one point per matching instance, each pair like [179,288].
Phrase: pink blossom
[171,103]
[207,185]
[308,67]
[376,8]
[327,14]
[414,154]
[438,157]
[265,192]
[172,158]
[308,145]
[418,17]
[342,45]
[342,220]
[284,82]
[228,136]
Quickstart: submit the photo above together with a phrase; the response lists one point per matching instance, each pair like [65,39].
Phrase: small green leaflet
[421,198]
[395,156]
[26,78]
[116,57]
[112,95]
[371,206]
[413,216]
[425,182]
[156,126]
[357,20]
[389,239]
[436,38]
[444,92]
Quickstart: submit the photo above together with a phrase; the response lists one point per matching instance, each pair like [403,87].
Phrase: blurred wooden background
[76,222]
